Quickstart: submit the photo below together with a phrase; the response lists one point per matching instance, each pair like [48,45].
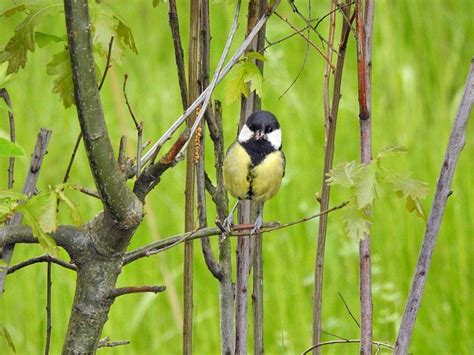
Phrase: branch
[106,343]
[136,289]
[178,52]
[118,200]
[443,189]
[349,341]
[68,237]
[204,49]
[202,96]
[11,120]
[237,231]
[364,27]
[151,175]
[41,259]
[28,189]
[79,137]
[329,149]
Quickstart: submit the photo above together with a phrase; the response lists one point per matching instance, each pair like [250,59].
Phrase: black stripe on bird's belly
[257,149]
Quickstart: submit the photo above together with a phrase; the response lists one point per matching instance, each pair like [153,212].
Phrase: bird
[254,165]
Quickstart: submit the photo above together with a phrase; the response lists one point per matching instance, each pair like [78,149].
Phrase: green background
[421,54]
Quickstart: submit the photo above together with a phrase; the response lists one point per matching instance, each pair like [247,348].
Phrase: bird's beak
[259,135]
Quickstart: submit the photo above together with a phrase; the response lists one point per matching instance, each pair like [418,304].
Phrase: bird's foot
[257,225]
[228,223]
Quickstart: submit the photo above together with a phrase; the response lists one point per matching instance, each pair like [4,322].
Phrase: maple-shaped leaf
[344,174]
[106,23]
[412,189]
[23,40]
[60,67]
[48,243]
[355,221]
[43,39]
[46,207]
[366,184]
[245,72]
[236,87]
[75,215]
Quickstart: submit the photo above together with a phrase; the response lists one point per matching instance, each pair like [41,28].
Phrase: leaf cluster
[247,78]
[106,23]
[40,212]
[364,181]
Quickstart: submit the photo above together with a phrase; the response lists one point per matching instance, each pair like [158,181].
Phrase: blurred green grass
[421,54]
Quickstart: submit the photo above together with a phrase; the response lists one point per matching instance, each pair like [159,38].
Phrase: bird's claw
[257,225]
[228,223]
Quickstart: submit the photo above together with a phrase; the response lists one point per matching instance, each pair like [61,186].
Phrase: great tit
[255,164]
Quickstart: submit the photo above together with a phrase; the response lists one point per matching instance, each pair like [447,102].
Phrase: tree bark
[443,191]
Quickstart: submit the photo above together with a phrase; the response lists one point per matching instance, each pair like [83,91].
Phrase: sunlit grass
[420,58]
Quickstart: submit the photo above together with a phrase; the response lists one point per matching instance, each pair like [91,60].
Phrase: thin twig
[41,259]
[215,78]
[178,51]
[107,63]
[307,40]
[48,309]
[204,48]
[235,58]
[349,341]
[237,231]
[106,343]
[136,289]
[11,122]
[443,191]
[329,149]
[348,310]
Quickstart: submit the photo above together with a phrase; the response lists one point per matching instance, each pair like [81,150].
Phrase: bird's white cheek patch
[245,134]
[275,138]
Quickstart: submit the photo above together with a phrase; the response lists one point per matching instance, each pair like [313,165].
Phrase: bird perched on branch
[255,164]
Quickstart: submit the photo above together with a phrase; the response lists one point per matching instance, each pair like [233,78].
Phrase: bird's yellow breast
[245,181]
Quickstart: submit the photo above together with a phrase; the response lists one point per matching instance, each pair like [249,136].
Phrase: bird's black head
[263,128]
[260,135]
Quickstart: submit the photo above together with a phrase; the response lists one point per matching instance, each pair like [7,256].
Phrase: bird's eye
[268,129]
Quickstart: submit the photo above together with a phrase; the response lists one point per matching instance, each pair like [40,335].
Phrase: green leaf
[256,55]
[392,150]
[411,189]
[9,149]
[106,23]
[43,39]
[44,239]
[245,72]
[11,195]
[6,335]
[47,206]
[23,40]
[355,221]
[60,67]
[366,184]
[345,174]
[236,87]
[13,10]
[3,263]
[75,215]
